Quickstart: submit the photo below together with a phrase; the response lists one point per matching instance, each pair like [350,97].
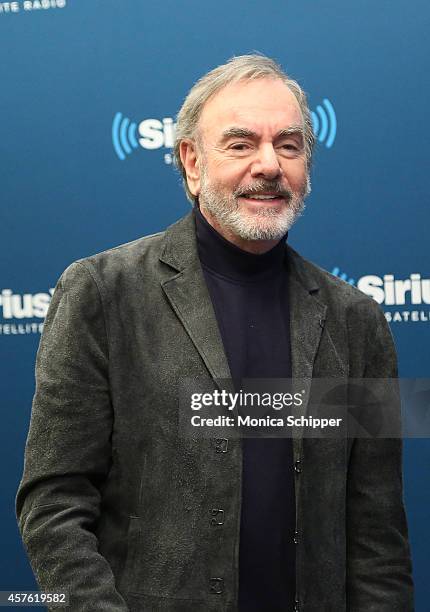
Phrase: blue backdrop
[88,94]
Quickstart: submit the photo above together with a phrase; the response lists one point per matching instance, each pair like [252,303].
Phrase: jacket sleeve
[68,451]
[379,573]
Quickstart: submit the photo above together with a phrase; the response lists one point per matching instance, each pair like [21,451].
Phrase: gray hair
[240,68]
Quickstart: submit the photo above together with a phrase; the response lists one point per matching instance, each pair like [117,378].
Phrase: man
[120,509]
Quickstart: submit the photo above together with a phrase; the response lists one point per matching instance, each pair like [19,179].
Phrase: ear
[190,160]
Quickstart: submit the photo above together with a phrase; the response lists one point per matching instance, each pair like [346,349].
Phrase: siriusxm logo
[16,309]
[395,292]
[390,291]
[16,306]
[324,123]
[343,276]
[152,134]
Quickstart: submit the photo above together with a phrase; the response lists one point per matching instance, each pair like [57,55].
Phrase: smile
[270,199]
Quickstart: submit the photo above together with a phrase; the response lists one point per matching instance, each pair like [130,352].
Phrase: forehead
[262,104]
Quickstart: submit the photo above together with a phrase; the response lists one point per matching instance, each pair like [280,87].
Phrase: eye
[290,147]
[239,146]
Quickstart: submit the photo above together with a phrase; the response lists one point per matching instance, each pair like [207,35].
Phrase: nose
[266,163]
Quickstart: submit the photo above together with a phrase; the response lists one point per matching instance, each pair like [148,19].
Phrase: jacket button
[296,537]
[221,445]
[298,466]
[216,585]
[217,516]
[296,606]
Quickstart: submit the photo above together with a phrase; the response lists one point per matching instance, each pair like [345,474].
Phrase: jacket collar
[180,244]
[188,295]
[180,251]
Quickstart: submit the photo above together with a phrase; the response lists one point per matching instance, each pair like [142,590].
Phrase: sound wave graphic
[324,123]
[343,276]
[123,136]
[124,131]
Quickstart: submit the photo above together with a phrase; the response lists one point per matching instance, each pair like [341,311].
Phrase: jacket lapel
[186,290]
[307,319]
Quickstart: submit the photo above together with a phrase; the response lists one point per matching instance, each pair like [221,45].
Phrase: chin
[255,227]
[267,224]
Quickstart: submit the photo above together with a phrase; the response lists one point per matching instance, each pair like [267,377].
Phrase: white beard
[265,224]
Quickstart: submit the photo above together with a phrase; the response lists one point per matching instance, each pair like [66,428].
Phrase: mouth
[263,198]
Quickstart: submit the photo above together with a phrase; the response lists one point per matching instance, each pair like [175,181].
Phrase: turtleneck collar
[225,258]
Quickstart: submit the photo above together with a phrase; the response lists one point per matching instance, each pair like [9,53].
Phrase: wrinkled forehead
[259,104]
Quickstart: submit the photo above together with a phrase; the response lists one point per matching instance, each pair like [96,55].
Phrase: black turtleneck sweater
[250,299]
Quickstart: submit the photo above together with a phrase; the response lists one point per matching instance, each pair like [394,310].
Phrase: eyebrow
[239,132]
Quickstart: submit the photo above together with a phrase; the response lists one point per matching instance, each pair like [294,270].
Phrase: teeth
[262,197]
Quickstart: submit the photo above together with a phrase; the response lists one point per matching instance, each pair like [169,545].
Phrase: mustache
[260,187]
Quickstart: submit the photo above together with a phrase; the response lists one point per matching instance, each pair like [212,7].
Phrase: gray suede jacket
[116,507]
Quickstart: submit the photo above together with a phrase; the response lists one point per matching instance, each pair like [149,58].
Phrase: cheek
[227,171]
[296,176]
[228,180]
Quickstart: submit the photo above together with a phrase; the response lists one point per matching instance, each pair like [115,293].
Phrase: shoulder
[124,257]
[352,317]
[126,266]
[123,262]
[332,291]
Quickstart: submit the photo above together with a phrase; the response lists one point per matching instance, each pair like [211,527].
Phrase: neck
[257,247]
